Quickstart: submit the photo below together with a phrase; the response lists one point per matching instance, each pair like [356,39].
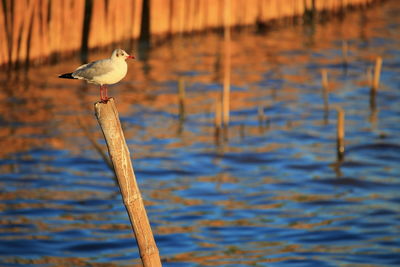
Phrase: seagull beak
[132,57]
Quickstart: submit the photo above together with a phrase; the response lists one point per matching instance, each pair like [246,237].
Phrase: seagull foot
[105,100]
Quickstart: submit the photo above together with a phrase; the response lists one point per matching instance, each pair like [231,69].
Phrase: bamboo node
[132,199]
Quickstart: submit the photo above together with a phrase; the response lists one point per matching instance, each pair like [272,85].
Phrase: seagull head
[120,54]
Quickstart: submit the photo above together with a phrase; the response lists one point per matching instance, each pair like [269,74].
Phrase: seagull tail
[66,76]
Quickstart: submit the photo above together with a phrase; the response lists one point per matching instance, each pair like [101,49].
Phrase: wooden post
[218,120]
[369,76]
[261,118]
[108,119]
[345,49]
[377,73]
[324,74]
[325,93]
[181,92]
[227,64]
[340,134]
[374,88]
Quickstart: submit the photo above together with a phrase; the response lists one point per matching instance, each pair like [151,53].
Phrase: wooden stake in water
[340,134]
[181,92]
[369,76]
[377,73]
[108,119]
[261,118]
[261,115]
[325,93]
[227,64]
[218,120]
[345,49]
[324,76]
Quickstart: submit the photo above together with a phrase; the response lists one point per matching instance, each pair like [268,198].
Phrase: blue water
[271,193]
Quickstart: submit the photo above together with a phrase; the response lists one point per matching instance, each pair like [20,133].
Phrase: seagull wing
[93,69]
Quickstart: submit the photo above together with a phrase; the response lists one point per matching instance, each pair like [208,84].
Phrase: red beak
[132,57]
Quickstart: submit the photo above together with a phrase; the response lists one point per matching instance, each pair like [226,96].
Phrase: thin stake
[325,93]
[218,120]
[261,117]
[108,119]
[369,76]
[227,65]
[377,73]
[345,49]
[340,134]
[181,92]
[324,75]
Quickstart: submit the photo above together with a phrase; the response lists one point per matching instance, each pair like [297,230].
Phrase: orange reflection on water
[38,110]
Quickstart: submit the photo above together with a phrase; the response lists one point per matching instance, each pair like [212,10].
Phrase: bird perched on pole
[102,72]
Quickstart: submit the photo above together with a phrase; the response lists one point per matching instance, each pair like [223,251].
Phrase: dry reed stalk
[108,119]
[135,16]
[340,133]
[227,64]
[160,11]
[38,29]
[44,29]
[377,73]
[4,48]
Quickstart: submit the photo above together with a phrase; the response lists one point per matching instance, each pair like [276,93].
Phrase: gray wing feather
[93,69]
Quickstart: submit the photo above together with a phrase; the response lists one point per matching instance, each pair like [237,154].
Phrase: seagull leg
[101,93]
[106,98]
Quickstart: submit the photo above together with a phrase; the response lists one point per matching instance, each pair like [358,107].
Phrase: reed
[35,31]
[377,73]
[340,133]
[108,119]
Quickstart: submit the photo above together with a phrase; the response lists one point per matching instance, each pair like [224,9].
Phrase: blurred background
[269,191]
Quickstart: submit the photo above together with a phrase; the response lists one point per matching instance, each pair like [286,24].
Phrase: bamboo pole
[377,73]
[108,119]
[340,134]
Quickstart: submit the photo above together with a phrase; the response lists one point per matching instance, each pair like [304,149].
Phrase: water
[273,194]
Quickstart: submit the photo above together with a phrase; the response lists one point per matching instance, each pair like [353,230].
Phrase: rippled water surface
[271,193]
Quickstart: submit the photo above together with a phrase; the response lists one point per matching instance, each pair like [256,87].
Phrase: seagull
[102,72]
